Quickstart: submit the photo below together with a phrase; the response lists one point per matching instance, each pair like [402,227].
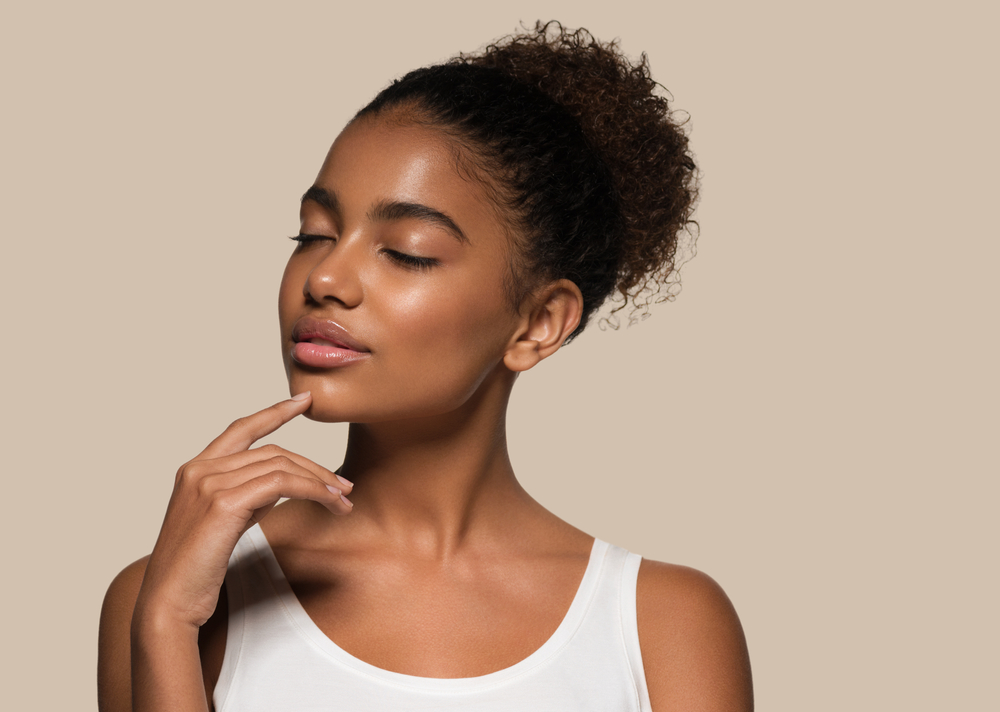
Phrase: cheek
[452,340]
[289,306]
[460,321]
[290,294]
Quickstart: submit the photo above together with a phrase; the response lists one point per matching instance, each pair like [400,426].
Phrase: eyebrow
[322,197]
[390,210]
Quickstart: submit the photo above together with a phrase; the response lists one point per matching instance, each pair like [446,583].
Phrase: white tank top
[278,659]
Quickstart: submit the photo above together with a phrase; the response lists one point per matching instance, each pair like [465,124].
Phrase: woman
[464,226]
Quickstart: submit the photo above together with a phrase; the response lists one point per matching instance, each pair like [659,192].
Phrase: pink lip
[325,344]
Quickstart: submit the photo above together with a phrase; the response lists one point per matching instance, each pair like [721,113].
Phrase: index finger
[244,432]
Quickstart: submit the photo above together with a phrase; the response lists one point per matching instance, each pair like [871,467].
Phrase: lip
[321,343]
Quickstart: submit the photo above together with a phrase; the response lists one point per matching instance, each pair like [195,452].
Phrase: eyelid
[411,261]
[401,258]
[306,237]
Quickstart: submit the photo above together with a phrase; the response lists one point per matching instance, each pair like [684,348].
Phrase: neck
[439,483]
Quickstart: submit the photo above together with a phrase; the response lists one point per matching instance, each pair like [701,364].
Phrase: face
[392,305]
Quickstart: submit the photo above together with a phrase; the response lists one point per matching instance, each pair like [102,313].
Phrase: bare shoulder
[693,648]
[114,683]
[114,644]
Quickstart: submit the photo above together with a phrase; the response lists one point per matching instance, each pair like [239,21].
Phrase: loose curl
[580,151]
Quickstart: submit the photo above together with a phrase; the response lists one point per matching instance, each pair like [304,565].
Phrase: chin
[340,405]
[328,413]
[322,416]
[329,404]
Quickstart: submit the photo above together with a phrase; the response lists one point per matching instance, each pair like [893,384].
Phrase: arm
[693,649]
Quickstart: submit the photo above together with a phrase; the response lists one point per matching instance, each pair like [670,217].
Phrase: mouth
[321,343]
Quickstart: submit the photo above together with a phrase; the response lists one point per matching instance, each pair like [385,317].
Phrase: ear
[556,312]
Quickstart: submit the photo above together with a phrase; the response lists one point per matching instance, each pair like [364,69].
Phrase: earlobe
[557,312]
[522,355]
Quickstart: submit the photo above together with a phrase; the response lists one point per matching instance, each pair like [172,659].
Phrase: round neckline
[568,626]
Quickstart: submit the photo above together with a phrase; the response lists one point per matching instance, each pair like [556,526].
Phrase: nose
[337,276]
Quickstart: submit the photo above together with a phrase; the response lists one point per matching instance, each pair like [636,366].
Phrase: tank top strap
[630,625]
[262,622]
[246,581]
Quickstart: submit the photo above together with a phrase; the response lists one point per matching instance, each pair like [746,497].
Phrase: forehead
[374,159]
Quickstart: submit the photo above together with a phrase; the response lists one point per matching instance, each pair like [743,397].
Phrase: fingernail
[347,483]
[334,490]
[300,396]
[348,502]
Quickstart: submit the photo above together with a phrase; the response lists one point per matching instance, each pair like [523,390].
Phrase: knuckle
[188,472]
[276,479]
[202,487]
[222,503]
[271,449]
[238,424]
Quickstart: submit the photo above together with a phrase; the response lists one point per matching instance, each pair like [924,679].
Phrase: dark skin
[434,562]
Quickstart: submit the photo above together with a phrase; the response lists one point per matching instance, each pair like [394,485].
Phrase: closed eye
[302,238]
[411,261]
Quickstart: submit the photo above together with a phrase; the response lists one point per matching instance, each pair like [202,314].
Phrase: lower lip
[321,356]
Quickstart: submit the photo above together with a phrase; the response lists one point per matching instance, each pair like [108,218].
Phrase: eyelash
[411,261]
[401,258]
[303,239]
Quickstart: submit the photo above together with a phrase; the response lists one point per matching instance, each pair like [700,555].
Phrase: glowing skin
[387,312]
[394,316]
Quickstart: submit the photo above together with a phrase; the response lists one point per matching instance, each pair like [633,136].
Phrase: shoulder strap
[630,628]
[236,594]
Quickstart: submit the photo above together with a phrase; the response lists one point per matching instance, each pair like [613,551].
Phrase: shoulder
[125,586]
[119,602]
[114,683]
[114,644]
[693,649]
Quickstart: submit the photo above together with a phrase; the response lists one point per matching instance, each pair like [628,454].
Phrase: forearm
[166,667]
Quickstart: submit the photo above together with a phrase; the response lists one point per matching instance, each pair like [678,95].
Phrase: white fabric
[278,659]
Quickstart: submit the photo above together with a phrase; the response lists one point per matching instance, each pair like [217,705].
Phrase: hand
[217,496]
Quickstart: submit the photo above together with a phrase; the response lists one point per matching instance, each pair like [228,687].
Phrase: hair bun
[627,120]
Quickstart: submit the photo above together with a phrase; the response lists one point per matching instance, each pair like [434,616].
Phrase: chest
[433,619]
[380,634]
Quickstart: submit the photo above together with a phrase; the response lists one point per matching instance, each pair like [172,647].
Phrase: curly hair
[580,150]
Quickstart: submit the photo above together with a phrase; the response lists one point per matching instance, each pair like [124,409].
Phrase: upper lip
[309,327]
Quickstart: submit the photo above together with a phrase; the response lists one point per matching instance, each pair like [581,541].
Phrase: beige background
[813,421]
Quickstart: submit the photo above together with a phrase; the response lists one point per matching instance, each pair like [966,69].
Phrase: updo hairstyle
[579,150]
